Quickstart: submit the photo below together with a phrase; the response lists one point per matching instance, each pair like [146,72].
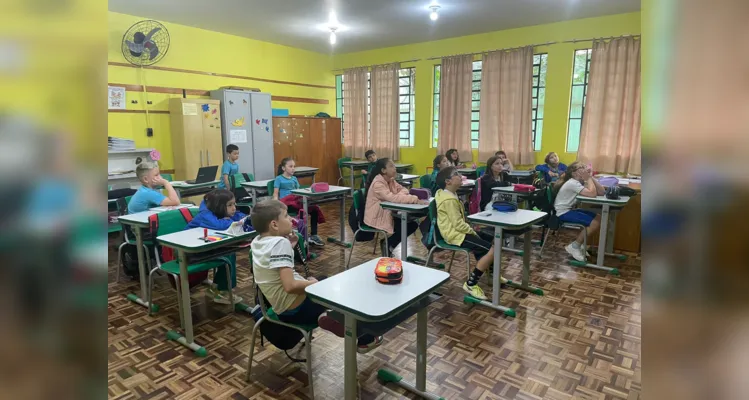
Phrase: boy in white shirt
[273,271]
[577,180]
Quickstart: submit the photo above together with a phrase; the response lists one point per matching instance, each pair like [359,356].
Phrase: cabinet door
[301,142]
[192,143]
[212,138]
[238,127]
[282,139]
[333,149]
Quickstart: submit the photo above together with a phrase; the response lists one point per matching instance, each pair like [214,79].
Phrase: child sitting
[438,163]
[273,271]
[552,168]
[494,177]
[453,158]
[283,185]
[147,196]
[453,229]
[218,211]
[371,157]
[578,180]
[506,163]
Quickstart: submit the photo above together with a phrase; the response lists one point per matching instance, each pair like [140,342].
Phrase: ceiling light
[332,36]
[433,15]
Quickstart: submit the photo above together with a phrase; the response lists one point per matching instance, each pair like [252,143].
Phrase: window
[406,106]
[580,74]
[538,94]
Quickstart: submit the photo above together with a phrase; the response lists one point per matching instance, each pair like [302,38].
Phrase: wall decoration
[267,129]
[244,101]
[283,130]
[206,108]
[189,109]
[116,97]
[257,122]
[237,136]
[214,111]
[239,122]
[265,121]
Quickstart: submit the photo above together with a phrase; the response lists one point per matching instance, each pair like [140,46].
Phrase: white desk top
[191,240]
[405,207]
[521,173]
[334,190]
[185,185]
[302,170]
[510,190]
[357,292]
[141,218]
[354,163]
[603,200]
[408,177]
[257,184]
[514,220]
[403,165]
[467,170]
[469,182]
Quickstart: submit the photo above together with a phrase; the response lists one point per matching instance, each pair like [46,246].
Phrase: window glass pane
[475,105]
[576,103]
[404,90]
[474,135]
[404,125]
[475,95]
[474,116]
[573,140]
[475,126]
[540,112]
[405,117]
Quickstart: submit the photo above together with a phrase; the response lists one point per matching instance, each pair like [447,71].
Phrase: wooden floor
[581,340]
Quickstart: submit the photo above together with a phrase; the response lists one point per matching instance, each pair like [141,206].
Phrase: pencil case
[319,187]
[389,271]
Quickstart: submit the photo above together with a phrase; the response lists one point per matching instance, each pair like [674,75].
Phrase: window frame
[537,134]
[584,85]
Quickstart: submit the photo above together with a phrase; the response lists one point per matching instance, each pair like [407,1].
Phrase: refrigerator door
[238,127]
[262,136]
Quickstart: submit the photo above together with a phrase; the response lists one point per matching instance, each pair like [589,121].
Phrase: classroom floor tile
[582,339]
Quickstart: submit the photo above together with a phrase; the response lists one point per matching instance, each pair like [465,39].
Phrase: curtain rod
[488,51]
[598,38]
[377,65]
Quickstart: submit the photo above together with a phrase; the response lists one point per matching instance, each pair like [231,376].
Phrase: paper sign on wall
[238,136]
[116,98]
[189,109]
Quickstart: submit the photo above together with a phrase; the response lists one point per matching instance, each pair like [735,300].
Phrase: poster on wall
[116,98]
[237,136]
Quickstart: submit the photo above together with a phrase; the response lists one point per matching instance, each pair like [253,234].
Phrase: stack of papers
[119,144]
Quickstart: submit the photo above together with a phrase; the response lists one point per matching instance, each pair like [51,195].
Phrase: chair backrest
[426,182]
[358,198]
[433,218]
[343,160]
[270,187]
[480,171]
[170,221]
[236,180]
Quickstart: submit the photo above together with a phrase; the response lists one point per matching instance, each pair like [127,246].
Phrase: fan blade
[134,47]
[154,52]
[150,34]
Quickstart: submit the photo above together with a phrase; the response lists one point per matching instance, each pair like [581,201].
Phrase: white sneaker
[223,298]
[575,252]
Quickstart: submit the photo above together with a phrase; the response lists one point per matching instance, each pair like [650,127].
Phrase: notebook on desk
[205,175]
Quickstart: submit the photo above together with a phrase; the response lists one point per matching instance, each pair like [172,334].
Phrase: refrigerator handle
[208,158]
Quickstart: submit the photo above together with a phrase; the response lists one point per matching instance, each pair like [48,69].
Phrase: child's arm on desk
[171,195]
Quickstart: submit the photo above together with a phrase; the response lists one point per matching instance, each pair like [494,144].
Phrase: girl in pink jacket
[381,186]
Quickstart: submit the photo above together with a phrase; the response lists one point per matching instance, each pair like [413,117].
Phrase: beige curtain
[505,111]
[610,132]
[455,106]
[384,121]
[355,138]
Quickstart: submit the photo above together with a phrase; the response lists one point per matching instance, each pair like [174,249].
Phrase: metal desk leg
[601,245]
[188,339]
[306,222]
[349,358]
[404,234]
[342,240]
[254,196]
[142,300]
[421,362]
[496,283]
[351,180]
[511,245]
[525,285]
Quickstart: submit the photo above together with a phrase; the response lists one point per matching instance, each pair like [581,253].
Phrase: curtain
[610,132]
[506,105]
[455,106]
[384,122]
[355,138]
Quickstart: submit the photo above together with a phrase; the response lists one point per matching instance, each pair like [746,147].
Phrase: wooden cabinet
[312,142]
[196,135]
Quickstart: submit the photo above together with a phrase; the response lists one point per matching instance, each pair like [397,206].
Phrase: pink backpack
[474,202]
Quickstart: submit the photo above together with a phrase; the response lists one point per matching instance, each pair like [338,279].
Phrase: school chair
[343,178]
[122,203]
[173,221]
[358,202]
[552,223]
[480,171]
[441,244]
[425,182]
[244,202]
[271,317]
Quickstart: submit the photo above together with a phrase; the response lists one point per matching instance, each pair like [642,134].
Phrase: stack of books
[119,144]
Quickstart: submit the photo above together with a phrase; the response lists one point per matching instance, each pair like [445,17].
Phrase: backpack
[356,217]
[474,201]
[627,191]
[168,254]
[612,192]
[427,226]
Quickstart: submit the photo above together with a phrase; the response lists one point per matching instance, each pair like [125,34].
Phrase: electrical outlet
[149,132]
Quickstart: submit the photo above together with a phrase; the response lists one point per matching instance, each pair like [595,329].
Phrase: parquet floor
[581,340]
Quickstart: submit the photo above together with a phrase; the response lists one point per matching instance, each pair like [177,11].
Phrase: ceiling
[366,24]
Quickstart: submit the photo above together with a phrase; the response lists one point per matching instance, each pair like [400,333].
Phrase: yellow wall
[558,78]
[197,49]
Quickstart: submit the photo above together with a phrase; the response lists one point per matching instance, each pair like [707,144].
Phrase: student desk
[407,179]
[468,172]
[185,242]
[359,297]
[355,166]
[138,222]
[402,168]
[306,172]
[256,187]
[517,175]
[507,220]
[334,193]
[403,210]
[516,197]
[182,186]
[606,234]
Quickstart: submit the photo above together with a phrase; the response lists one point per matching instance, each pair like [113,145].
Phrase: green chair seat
[172,267]
[146,242]
[367,228]
[441,243]
[307,327]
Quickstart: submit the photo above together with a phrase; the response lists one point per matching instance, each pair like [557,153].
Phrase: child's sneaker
[475,291]
[366,348]
[315,240]
[575,252]
[222,297]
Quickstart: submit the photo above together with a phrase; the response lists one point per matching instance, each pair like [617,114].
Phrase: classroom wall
[207,51]
[558,79]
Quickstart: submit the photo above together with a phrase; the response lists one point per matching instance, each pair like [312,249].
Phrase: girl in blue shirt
[552,168]
[218,211]
[283,185]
